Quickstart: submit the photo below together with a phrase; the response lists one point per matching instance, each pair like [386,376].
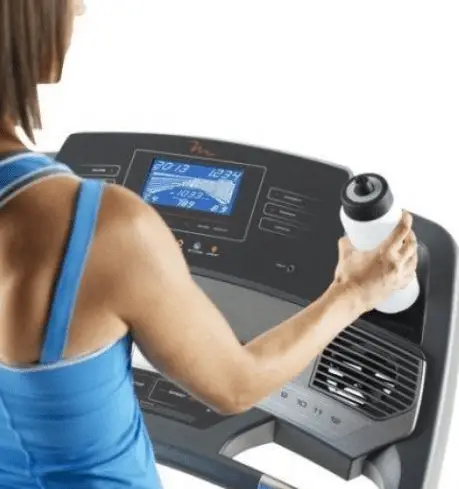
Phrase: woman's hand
[373,275]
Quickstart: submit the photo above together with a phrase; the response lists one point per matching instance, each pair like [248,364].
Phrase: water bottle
[369,214]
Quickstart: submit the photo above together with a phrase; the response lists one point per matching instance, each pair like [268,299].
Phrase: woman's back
[68,413]
[34,230]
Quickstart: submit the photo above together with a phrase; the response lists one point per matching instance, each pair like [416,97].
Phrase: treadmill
[259,230]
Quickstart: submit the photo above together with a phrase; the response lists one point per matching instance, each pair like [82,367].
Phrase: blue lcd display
[192,186]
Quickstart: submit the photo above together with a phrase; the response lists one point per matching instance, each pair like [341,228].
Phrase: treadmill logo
[196,148]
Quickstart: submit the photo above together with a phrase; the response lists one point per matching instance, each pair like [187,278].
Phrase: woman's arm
[180,331]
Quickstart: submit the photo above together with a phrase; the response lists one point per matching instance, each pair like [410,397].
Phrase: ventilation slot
[369,374]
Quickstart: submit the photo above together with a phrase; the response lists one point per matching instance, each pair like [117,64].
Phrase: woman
[85,270]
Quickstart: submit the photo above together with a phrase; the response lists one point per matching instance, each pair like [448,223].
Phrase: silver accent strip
[268,482]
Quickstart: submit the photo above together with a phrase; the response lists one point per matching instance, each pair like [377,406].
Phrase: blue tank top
[75,423]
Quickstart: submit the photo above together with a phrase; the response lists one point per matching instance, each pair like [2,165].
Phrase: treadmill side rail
[268,482]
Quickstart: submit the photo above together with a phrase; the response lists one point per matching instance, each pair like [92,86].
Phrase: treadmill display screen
[192,186]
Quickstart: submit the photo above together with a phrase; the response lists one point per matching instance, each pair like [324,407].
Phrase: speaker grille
[368,373]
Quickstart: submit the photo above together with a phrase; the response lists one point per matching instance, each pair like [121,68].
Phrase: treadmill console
[200,197]
[255,216]
[259,230]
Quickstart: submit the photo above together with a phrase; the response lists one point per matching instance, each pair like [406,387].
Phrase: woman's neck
[9,142]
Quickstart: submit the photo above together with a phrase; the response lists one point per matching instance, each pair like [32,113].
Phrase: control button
[311,411]
[278,227]
[166,393]
[180,242]
[175,393]
[287,268]
[214,251]
[203,227]
[105,170]
[287,197]
[318,411]
[220,230]
[196,248]
[110,180]
[287,397]
[302,403]
[280,212]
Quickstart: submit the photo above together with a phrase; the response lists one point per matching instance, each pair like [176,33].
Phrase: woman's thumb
[344,246]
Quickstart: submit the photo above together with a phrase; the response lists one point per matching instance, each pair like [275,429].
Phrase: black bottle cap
[366,197]
[363,185]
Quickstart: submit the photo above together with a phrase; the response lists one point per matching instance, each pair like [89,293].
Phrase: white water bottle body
[368,235]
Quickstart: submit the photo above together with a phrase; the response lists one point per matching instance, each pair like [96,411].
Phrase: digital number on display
[193,187]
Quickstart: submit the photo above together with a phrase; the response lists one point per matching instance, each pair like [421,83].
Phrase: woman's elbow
[238,401]
[232,408]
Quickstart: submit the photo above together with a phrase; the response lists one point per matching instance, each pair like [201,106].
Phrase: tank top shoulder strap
[22,170]
[71,270]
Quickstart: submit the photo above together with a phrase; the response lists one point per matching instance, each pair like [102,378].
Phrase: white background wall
[370,85]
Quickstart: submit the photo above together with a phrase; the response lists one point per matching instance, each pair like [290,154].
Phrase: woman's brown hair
[34,36]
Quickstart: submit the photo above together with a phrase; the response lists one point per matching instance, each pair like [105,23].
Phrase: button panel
[220,230]
[200,247]
[100,170]
[311,411]
[287,213]
[159,396]
[289,198]
[278,227]
[166,393]
[202,227]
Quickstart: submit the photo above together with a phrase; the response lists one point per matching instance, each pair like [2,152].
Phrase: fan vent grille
[369,374]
